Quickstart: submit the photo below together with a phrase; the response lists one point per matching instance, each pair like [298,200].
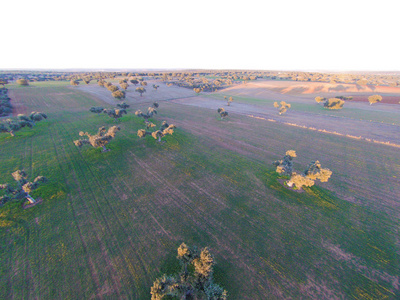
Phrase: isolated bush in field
[22,82]
[374,99]
[23,189]
[140,90]
[195,281]
[112,88]
[143,83]
[334,103]
[96,109]
[320,99]
[123,105]
[164,130]
[283,107]
[118,95]
[124,85]
[155,87]
[222,112]
[101,139]
[74,82]
[230,100]
[313,172]
[115,113]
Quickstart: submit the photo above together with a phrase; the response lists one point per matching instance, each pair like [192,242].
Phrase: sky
[309,35]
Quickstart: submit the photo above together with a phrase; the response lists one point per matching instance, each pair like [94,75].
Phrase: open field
[110,222]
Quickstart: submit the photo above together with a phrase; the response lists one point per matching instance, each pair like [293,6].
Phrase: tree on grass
[118,95]
[334,103]
[230,100]
[374,99]
[320,99]
[283,107]
[22,81]
[115,113]
[140,90]
[112,88]
[124,85]
[155,87]
[197,90]
[134,81]
[101,139]
[222,112]
[313,172]
[195,281]
[164,130]
[74,82]
[96,109]
[150,112]
[23,189]
[123,105]
[12,125]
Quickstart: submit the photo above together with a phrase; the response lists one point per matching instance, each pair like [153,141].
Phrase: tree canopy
[140,90]
[101,139]
[374,99]
[283,107]
[115,113]
[222,112]
[23,188]
[195,281]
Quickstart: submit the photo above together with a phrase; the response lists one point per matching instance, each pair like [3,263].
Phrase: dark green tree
[96,109]
[115,113]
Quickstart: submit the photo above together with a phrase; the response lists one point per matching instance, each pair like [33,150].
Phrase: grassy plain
[110,222]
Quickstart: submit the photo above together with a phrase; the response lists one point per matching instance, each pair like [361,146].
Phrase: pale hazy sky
[268,35]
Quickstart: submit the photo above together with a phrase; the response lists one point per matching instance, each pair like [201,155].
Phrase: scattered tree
[23,189]
[195,281]
[124,85]
[118,94]
[374,99]
[112,88]
[283,107]
[74,82]
[115,113]
[101,139]
[150,112]
[134,81]
[230,99]
[143,83]
[96,109]
[197,90]
[12,125]
[155,87]
[140,90]
[164,130]
[222,112]
[320,99]
[334,103]
[123,105]
[22,81]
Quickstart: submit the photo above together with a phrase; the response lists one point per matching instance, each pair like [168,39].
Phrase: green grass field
[110,223]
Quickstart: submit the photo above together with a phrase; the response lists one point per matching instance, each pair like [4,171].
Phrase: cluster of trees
[313,172]
[283,107]
[5,103]
[101,139]
[22,189]
[195,281]
[12,125]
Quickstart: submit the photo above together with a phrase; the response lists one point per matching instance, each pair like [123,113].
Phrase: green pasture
[110,223]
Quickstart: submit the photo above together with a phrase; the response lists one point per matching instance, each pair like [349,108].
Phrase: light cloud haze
[269,35]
